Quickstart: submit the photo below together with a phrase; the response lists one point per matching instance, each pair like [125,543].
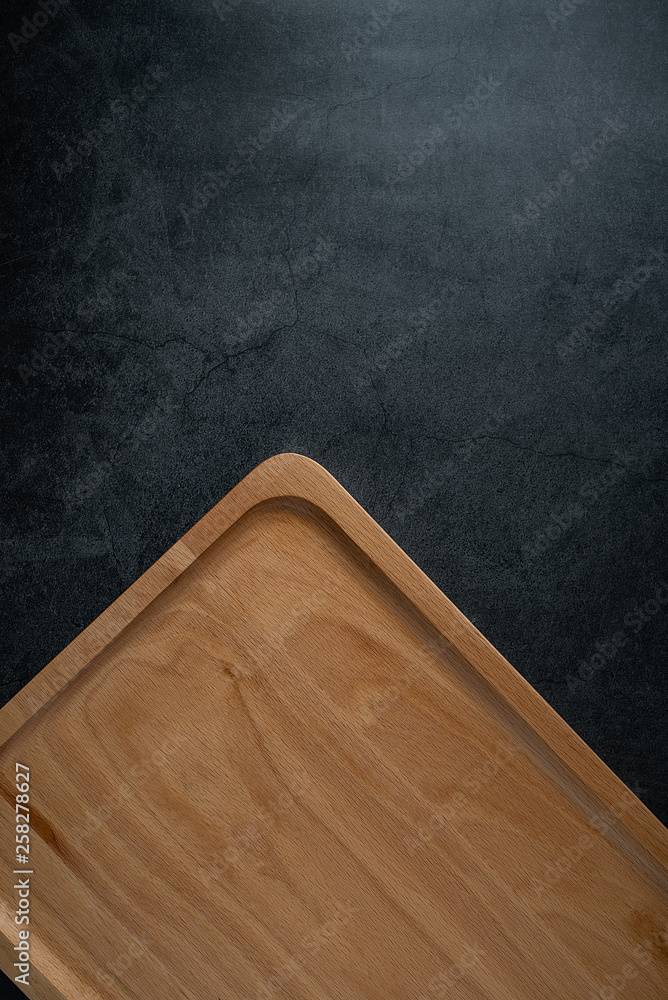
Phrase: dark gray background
[405,335]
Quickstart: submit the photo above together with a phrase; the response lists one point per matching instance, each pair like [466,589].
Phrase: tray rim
[290,475]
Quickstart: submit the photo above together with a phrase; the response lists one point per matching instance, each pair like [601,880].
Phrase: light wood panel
[283,765]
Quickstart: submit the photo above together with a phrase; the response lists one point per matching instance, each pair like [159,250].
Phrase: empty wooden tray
[284,765]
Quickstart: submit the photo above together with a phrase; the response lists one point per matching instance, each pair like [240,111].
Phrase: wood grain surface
[284,765]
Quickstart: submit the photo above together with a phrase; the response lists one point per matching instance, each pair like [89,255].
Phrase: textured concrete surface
[420,242]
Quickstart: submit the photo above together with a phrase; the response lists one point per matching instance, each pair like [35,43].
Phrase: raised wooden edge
[295,476]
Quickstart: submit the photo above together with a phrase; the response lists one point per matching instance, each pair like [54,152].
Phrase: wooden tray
[284,765]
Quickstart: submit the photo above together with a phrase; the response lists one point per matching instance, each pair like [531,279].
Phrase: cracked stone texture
[353,285]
